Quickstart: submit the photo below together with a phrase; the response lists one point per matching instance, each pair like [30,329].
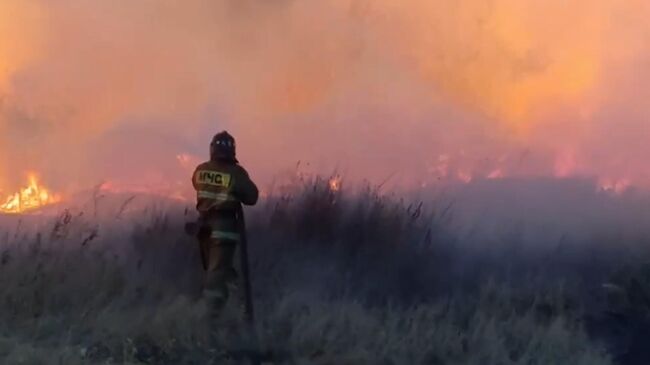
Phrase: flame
[615,186]
[335,183]
[187,161]
[495,174]
[32,197]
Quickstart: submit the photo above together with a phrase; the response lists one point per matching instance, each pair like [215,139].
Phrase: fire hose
[249,311]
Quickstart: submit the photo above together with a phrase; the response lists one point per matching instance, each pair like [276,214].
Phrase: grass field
[340,277]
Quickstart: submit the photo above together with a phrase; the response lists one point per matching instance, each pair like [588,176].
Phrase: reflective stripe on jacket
[221,187]
[224,235]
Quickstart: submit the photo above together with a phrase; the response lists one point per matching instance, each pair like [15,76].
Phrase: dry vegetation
[358,278]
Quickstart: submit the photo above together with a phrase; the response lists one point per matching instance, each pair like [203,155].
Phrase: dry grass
[358,278]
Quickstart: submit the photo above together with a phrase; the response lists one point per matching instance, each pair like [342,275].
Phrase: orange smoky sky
[416,89]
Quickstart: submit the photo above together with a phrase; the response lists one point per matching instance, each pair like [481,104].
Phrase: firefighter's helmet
[222,147]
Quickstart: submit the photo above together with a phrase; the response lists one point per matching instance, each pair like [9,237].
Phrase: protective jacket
[221,187]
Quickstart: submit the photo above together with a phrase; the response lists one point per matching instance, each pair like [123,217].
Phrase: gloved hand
[200,230]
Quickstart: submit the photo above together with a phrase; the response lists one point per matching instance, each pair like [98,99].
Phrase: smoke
[418,90]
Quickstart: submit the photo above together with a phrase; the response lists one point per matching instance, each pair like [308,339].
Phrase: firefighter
[221,185]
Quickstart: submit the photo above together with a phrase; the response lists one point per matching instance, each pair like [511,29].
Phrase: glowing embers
[32,197]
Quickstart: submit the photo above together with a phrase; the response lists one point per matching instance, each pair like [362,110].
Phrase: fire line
[32,197]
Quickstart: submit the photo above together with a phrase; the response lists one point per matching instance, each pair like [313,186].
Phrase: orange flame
[335,183]
[30,198]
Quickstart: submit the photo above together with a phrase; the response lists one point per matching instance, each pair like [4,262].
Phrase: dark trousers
[220,274]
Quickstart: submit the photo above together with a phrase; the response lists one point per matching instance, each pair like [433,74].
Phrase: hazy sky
[422,89]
